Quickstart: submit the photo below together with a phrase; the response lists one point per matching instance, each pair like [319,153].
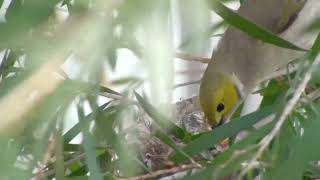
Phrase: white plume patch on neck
[239,85]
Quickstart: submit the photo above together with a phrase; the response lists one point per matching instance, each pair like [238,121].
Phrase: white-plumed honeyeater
[241,62]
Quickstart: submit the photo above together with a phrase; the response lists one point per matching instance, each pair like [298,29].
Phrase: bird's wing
[251,59]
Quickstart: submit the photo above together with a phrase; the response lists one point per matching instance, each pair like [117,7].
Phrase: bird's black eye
[220,107]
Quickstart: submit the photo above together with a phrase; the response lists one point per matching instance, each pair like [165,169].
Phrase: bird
[241,62]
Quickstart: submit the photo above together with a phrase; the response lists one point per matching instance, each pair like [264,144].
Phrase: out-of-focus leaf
[112,57]
[8,154]
[79,6]
[315,48]
[89,147]
[314,52]
[163,121]
[77,178]
[306,149]
[126,80]
[83,86]
[14,10]
[9,58]
[314,26]
[66,2]
[207,140]
[200,36]
[273,91]
[293,159]
[108,90]
[249,27]
[105,122]
[168,141]
[313,171]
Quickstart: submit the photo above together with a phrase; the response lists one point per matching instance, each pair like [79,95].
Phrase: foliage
[39,100]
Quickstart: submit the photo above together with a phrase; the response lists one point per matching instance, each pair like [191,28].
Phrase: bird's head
[219,96]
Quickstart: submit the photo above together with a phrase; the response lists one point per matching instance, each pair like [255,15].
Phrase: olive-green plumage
[245,61]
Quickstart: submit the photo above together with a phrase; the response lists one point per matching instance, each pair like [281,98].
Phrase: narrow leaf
[164,122]
[209,139]
[249,27]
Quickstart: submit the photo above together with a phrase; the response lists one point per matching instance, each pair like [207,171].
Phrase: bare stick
[188,57]
[164,172]
[47,156]
[265,142]
[186,84]
[67,163]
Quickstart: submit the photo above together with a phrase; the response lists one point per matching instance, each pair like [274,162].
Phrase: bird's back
[251,59]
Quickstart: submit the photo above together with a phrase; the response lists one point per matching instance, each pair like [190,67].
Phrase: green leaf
[215,166]
[316,47]
[304,150]
[163,121]
[75,130]
[249,27]
[126,80]
[201,36]
[160,134]
[207,140]
[313,27]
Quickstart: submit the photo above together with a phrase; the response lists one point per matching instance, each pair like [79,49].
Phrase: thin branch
[67,163]
[186,84]
[188,57]
[164,172]
[265,142]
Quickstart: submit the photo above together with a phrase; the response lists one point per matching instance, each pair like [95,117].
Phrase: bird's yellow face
[218,98]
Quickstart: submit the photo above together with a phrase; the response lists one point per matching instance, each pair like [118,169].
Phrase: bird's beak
[221,122]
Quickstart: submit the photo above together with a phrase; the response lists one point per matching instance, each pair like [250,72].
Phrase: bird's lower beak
[221,122]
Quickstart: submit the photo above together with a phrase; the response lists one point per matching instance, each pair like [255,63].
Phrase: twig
[264,143]
[110,96]
[164,172]
[47,156]
[66,164]
[313,96]
[188,57]
[235,155]
[186,84]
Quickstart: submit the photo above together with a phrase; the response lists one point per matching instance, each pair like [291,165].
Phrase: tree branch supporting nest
[164,172]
